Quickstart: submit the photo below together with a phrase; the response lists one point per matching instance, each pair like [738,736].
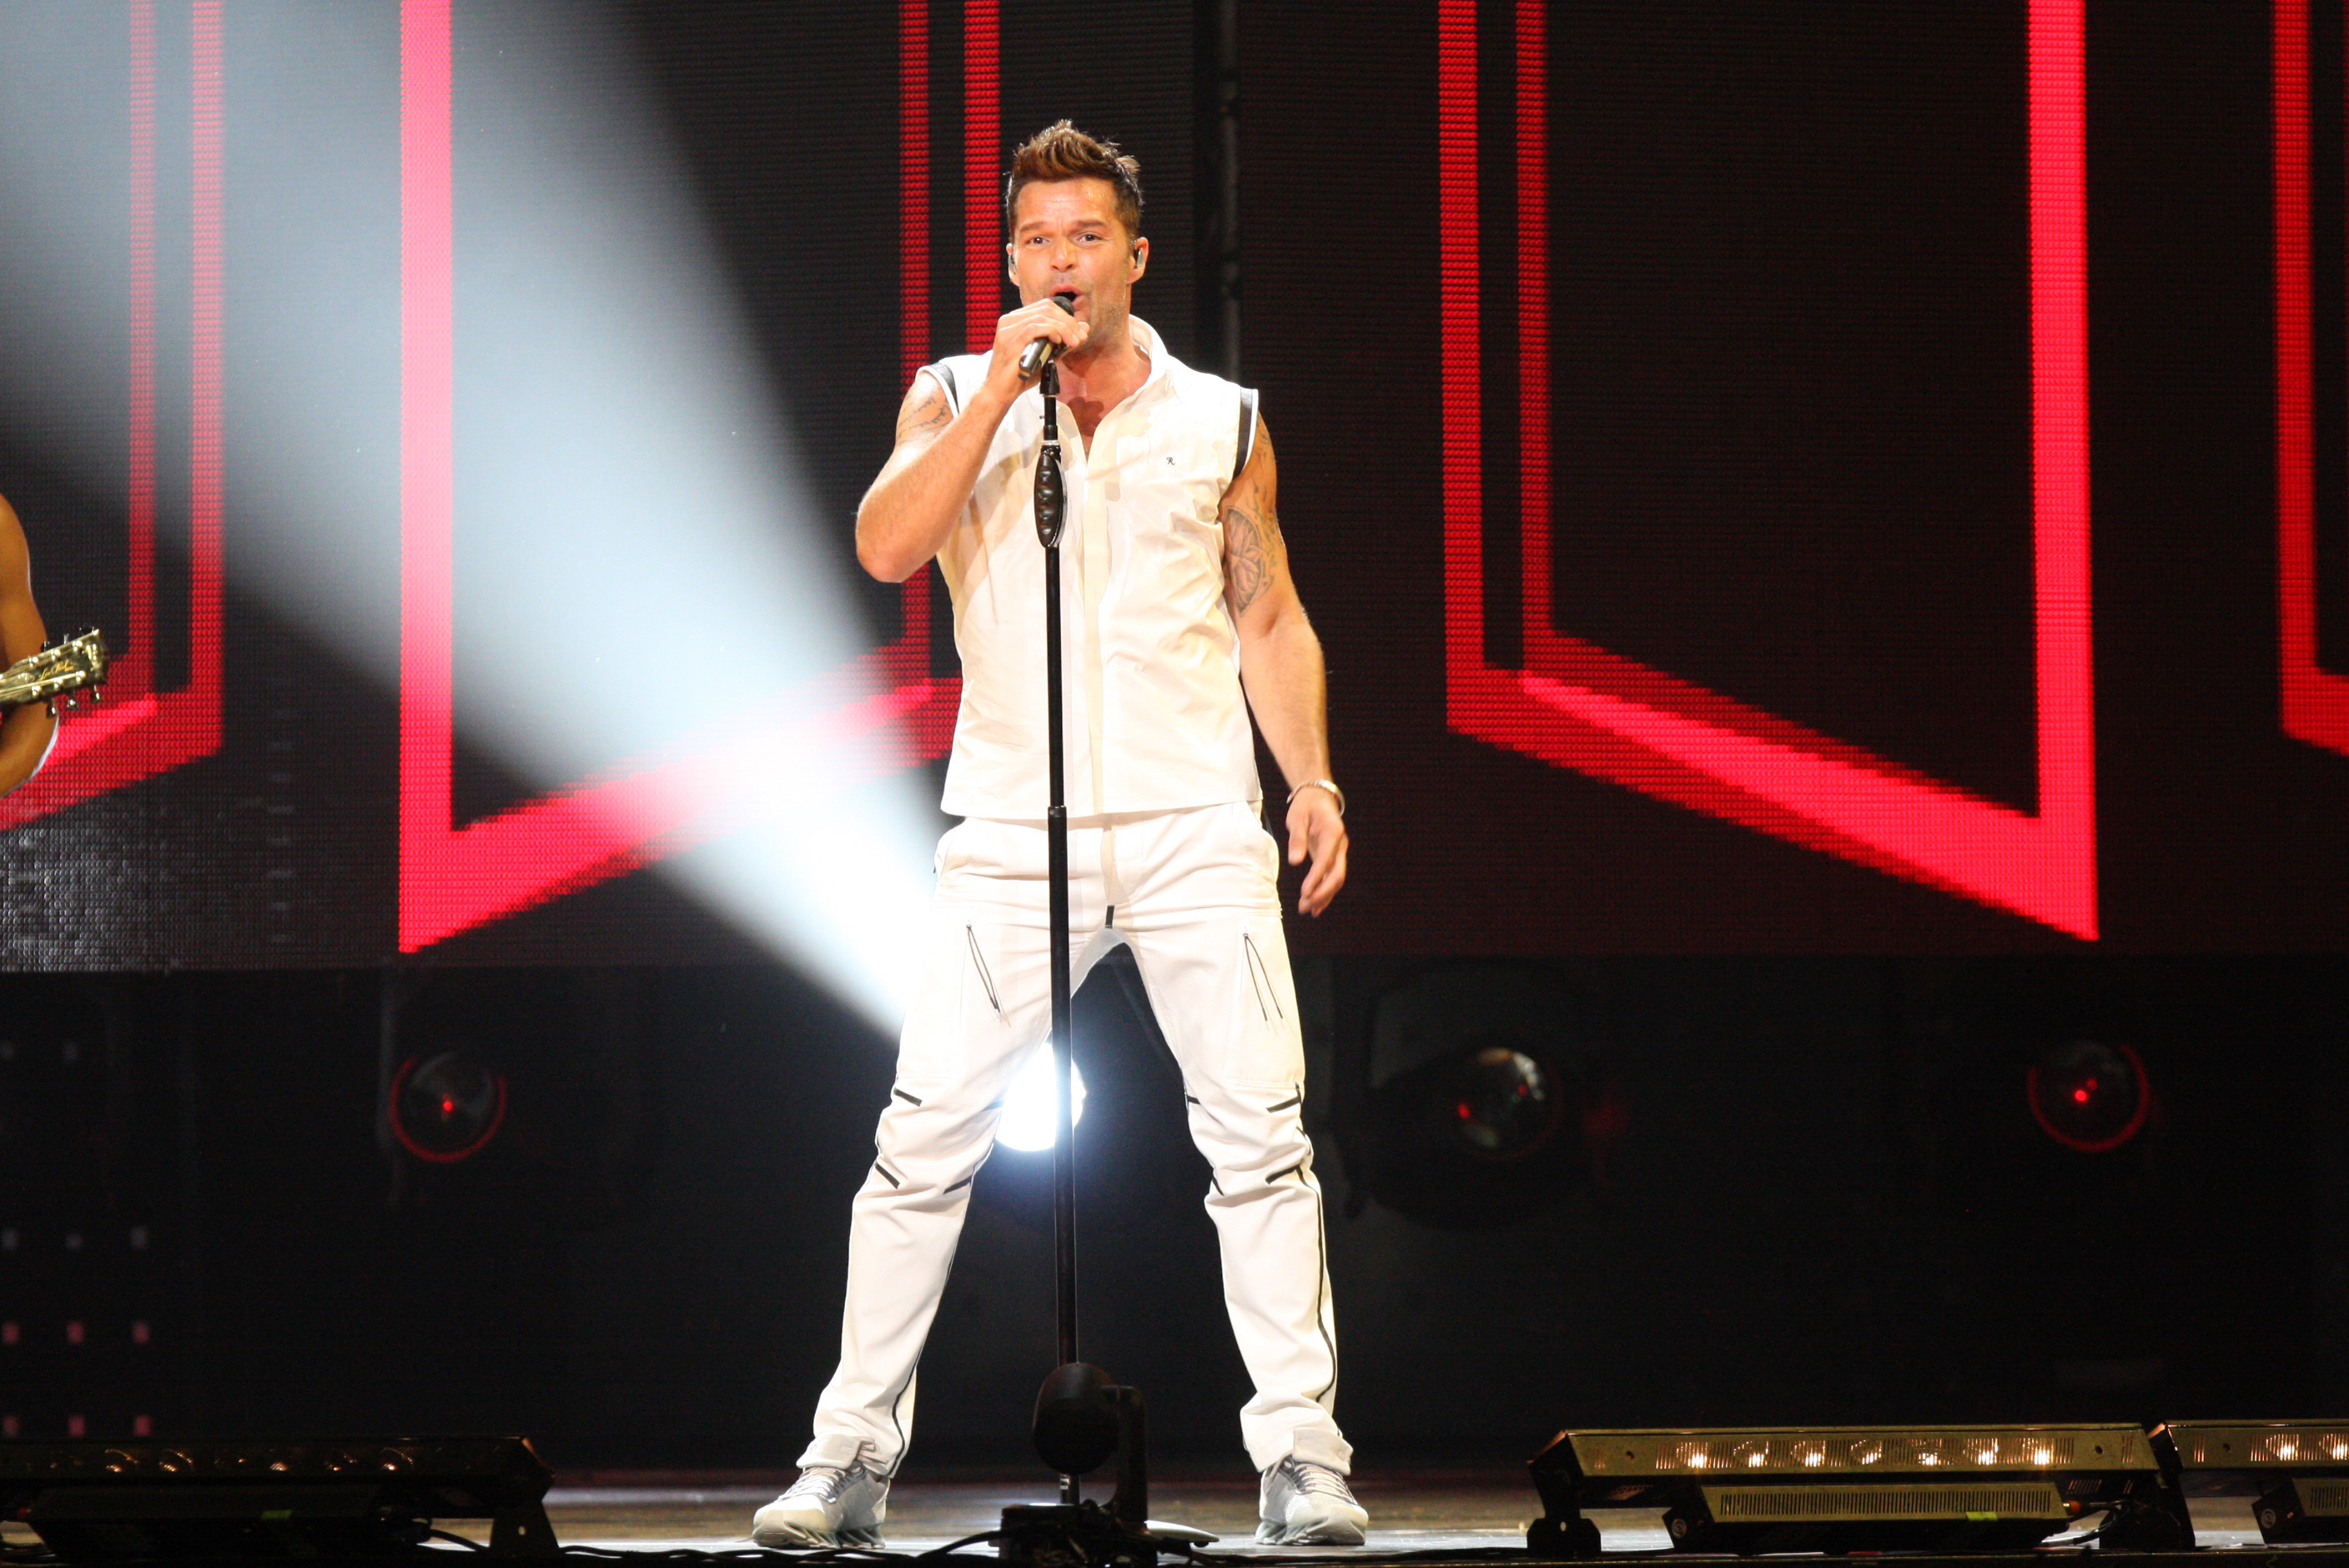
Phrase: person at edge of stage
[1180,618]
[27,731]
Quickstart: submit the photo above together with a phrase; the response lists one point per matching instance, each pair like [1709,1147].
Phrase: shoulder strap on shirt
[1245,445]
[946,383]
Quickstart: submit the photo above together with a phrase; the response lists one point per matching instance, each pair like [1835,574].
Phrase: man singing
[1178,600]
[25,731]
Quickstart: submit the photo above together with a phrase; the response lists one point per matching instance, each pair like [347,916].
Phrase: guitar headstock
[77,664]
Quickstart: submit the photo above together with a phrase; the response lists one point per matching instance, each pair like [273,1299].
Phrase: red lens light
[2089,1096]
[446,1107]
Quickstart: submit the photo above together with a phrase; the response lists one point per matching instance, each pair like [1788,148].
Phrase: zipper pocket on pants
[978,962]
[1267,996]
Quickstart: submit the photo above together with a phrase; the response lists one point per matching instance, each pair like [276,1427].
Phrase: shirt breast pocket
[1181,485]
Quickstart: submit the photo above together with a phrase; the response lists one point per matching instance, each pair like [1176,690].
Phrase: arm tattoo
[929,414]
[1251,554]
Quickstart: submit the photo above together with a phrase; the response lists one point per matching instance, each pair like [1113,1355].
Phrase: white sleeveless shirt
[1155,714]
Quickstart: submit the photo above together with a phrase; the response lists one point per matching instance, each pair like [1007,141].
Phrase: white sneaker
[1305,1504]
[829,1505]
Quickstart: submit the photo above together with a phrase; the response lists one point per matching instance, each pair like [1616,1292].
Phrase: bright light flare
[642,568]
[62,158]
[1031,1112]
[644,584]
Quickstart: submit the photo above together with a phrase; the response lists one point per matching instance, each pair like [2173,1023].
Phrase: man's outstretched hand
[1315,828]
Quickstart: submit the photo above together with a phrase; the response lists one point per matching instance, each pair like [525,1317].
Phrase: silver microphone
[1044,350]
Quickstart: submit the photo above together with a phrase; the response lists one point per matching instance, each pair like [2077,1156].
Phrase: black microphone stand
[1081,1416]
[1051,515]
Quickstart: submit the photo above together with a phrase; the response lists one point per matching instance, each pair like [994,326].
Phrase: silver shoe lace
[1309,1477]
[821,1482]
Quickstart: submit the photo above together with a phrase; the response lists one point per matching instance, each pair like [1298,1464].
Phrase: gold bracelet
[1331,785]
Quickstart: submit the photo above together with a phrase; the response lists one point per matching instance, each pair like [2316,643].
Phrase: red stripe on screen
[982,136]
[134,670]
[914,185]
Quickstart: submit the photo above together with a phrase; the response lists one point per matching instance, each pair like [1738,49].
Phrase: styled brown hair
[1061,151]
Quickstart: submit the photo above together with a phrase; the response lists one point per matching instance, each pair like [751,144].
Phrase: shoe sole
[1318,1535]
[784,1537]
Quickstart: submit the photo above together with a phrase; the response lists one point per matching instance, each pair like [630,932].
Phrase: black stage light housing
[514,1096]
[1858,1488]
[2297,1470]
[117,1503]
[1081,1417]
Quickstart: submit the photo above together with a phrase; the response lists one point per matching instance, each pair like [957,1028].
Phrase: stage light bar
[1842,1488]
[155,1501]
[2298,1470]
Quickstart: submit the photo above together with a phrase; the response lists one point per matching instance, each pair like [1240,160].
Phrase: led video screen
[1824,477]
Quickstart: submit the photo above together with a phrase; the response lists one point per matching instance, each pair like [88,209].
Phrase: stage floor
[1423,1511]
[1417,1512]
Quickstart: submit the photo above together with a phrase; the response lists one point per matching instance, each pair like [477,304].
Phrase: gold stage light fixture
[1861,1489]
[2297,1471]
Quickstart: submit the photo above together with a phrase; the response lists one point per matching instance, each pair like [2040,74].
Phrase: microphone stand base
[1079,1535]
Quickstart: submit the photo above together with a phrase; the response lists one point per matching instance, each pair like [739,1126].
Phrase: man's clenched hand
[1015,331]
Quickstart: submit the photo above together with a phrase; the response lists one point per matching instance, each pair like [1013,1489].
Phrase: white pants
[1193,893]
